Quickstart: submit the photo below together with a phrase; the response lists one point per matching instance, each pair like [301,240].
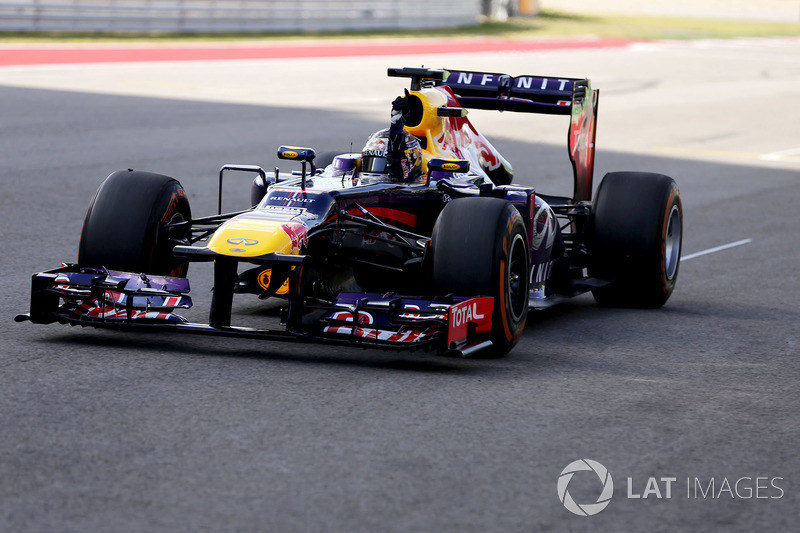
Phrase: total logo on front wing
[475,310]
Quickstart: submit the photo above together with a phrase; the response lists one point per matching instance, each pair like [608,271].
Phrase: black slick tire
[125,225]
[636,232]
[479,248]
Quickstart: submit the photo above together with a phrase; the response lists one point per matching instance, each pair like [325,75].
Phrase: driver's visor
[374,164]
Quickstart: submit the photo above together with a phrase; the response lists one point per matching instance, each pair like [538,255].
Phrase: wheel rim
[517,278]
[672,242]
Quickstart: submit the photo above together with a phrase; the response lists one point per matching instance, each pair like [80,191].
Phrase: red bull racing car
[420,241]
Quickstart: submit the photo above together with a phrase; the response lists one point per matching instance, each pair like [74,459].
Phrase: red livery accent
[298,233]
[97,309]
[403,335]
[387,213]
[476,310]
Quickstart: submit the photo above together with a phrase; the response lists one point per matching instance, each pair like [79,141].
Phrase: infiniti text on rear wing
[531,94]
[543,95]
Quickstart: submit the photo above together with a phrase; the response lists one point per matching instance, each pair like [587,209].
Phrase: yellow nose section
[240,237]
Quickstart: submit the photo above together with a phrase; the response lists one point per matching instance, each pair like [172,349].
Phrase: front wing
[82,296]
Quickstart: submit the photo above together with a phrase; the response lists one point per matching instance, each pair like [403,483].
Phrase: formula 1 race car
[418,242]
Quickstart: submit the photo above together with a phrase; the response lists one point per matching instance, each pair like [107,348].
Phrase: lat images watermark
[744,487]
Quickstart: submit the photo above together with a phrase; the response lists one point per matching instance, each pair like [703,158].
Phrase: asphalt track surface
[103,431]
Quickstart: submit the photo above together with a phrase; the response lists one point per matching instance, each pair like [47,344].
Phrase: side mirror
[448,165]
[442,167]
[296,153]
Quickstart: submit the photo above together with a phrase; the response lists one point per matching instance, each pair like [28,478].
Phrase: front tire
[125,227]
[479,247]
[637,230]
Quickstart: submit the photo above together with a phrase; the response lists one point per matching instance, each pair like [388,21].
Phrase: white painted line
[782,155]
[716,249]
[791,155]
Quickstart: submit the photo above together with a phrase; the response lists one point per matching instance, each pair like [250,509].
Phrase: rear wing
[537,94]
[527,94]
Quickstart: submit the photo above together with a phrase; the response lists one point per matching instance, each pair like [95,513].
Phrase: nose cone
[251,237]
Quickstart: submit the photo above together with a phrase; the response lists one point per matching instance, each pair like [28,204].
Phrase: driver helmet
[374,156]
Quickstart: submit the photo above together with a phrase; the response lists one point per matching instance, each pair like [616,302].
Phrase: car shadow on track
[166,345]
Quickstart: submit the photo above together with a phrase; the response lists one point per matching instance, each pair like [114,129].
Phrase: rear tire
[125,225]
[479,248]
[637,228]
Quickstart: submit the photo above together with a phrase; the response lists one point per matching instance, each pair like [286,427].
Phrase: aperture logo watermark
[744,487]
[585,509]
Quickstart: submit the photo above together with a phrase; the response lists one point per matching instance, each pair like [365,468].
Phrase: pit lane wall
[231,16]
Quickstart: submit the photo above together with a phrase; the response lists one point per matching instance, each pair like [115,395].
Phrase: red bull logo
[298,234]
